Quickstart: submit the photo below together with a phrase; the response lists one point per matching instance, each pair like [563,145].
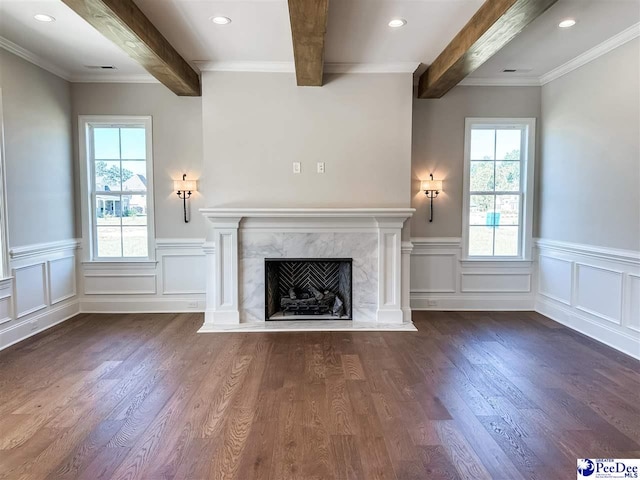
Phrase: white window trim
[526,235]
[86,182]
[4,222]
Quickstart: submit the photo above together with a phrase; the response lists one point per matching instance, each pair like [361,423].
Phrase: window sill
[498,262]
[120,264]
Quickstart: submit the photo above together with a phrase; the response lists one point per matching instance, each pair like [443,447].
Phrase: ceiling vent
[519,70]
[100,67]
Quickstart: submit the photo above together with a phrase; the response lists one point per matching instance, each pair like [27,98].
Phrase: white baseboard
[38,323]
[473,303]
[581,323]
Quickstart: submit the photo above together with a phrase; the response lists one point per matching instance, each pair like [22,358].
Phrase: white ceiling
[64,46]
[542,46]
[357,32]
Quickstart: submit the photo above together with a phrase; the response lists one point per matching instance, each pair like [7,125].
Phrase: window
[498,187]
[119,193]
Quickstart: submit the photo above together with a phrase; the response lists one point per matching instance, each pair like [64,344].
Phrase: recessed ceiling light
[221,20]
[397,23]
[569,22]
[41,17]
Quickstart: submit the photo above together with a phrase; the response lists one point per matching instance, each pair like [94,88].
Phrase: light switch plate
[320,167]
[296,167]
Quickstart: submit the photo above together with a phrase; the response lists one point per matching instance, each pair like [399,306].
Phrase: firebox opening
[308,288]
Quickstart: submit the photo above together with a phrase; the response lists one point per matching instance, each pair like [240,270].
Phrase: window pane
[506,241]
[108,209]
[135,241]
[482,176]
[106,143]
[134,210]
[508,144]
[107,176]
[482,144]
[480,241]
[508,176]
[109,241]
[134,176]
[133,143]
[507,210]
[481,210]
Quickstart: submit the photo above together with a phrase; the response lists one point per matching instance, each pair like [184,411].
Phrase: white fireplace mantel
[238,240]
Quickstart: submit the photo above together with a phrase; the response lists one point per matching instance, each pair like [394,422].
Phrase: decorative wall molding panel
[6,293]
[30,288]
[441,280]
[593,290]
[174,282]
[41,291]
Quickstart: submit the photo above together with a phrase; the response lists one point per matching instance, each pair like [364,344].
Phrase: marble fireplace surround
[239,239]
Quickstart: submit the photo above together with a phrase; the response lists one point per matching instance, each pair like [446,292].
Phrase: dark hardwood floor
[471,395]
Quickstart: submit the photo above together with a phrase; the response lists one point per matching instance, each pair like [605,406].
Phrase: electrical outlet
[192,305]
[296,167]
[33,325]
[432,303]
[320,167]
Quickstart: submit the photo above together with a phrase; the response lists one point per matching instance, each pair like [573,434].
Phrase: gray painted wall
[257,124]
[590,170]
[37,127]
[177,144]
[438,147]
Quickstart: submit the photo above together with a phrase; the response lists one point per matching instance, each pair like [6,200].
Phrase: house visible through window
[120,174]
[498,186]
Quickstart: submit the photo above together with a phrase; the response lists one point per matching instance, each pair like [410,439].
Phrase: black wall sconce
[184,188]
[431,189]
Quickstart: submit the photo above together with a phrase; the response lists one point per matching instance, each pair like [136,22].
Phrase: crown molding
[30,57]
[289,67]
[590,55]
[500,82]
[110,78]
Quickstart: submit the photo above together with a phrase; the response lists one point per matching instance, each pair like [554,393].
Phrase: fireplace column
[221,249]
[390,270]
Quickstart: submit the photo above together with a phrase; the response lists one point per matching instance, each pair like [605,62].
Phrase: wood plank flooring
[469,396]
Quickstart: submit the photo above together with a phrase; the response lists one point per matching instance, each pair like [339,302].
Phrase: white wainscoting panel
[30,287]
[62,278]
[183,274]
[173,283]
[633,302]
[5,301]
[486,282]
[555,278]
[442,280]
[120,283]
[433,272]
[42,292]
[593,290]
[599,292]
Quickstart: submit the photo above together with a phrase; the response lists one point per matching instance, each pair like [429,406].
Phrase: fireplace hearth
[308,288]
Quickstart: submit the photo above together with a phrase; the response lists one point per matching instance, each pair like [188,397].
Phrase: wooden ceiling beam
[494,25]
[122,22]
[308,27]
